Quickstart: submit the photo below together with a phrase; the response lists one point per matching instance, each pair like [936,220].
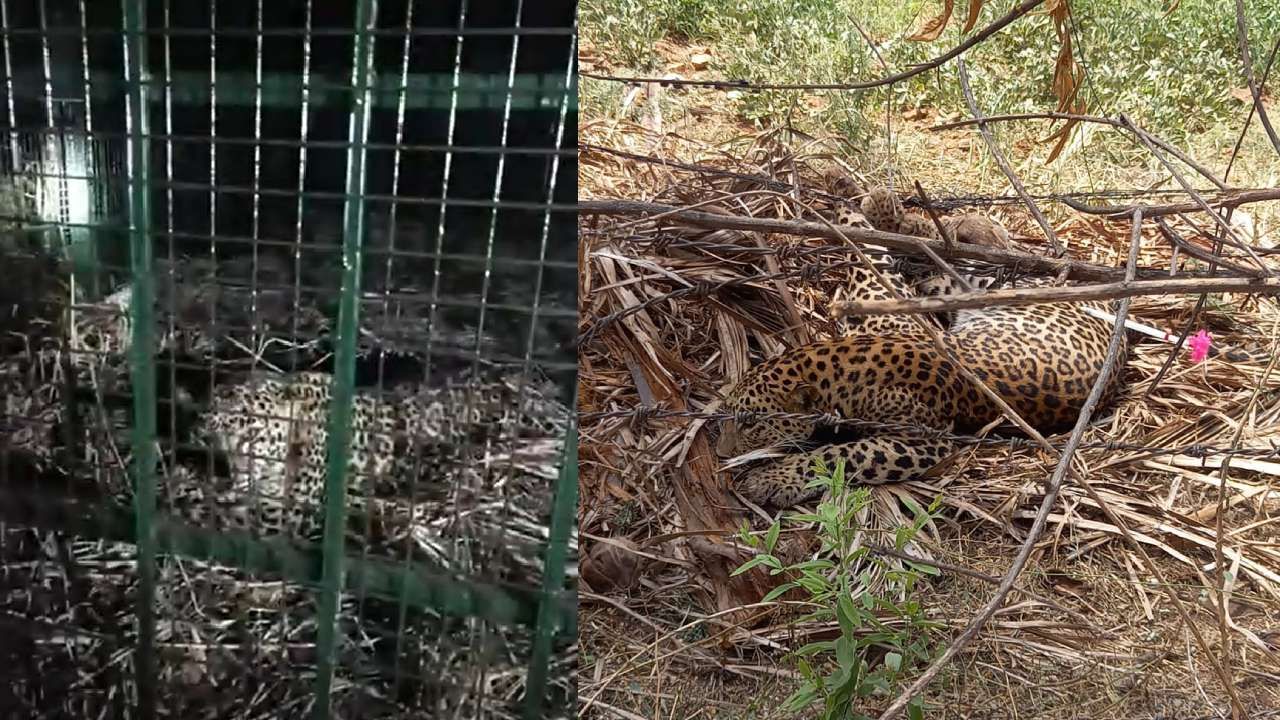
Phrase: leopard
[1041,359]
[882,209]
[273,428]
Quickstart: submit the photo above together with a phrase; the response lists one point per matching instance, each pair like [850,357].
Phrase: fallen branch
[1003,163]
[909,244]
[1228,234]
[1229,199]
[1246,59]
[1058,115]
[1050,497]
[1075,293]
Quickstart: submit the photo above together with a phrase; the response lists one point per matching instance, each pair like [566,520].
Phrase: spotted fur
[274,430]
[885,211]
[1041,359]
[862,283]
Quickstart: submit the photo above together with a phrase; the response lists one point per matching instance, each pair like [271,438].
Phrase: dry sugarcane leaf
[933,27]
[1063,134]
[1068,76]
[975,9]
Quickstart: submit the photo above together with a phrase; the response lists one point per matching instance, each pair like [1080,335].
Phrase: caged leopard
[448,450]
[256,458]
[1041,359]
[273,430]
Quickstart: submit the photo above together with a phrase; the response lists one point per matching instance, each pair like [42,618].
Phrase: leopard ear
[803,398]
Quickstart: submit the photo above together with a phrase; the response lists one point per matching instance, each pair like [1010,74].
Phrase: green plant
[1172,72]
[880,641]
[631,28]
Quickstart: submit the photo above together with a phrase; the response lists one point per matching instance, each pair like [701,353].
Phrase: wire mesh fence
[286,358]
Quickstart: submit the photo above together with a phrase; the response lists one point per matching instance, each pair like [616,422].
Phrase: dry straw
[671,310]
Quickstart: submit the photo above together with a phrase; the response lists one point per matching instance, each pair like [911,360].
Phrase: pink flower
[1200,346]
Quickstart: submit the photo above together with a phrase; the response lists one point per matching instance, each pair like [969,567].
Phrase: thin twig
[1214,258]
[1158,142]
[1076,269]
[1005,167]
[1219,532]
[1228,199]
[798,330]
[948,239]
[1026,7]
[1195,196]
[978,575]
[1075,293]
[1253,108]
[1050,497]
[1246,59]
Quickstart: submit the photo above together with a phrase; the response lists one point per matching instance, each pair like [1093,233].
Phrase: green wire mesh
[286,358]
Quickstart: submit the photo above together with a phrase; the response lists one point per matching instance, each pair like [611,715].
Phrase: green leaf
[757,560]
[893,661]
[814,648]
[814,585]
[800,699]
[915,709]
[874,683]
[846,653]
[811,565]
[845,684]
[828,515]
[778,592]
[820,467]
[846,614]
[936,504]
[771,538]
[900,538]
[913,506]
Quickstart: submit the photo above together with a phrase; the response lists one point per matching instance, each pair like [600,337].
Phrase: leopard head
[758,392]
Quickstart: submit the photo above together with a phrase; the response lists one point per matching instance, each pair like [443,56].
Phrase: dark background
[486,47]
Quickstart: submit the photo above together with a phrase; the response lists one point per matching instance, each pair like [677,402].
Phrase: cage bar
[144,376]
[335,487]
[424,268]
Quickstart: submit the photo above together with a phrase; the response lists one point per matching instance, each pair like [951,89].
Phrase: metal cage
[287,358]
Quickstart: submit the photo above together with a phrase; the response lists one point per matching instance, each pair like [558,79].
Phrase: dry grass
[1088,634]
